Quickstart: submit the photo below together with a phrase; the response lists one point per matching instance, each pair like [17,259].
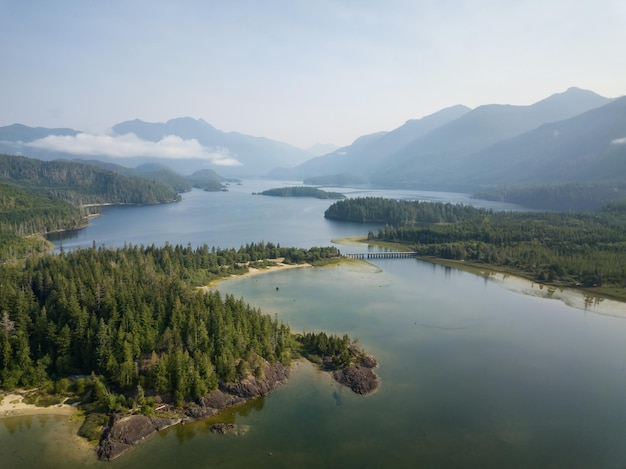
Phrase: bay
[234,218]
[473,372]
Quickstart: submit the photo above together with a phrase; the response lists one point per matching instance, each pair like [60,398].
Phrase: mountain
[21,133]
[435,158]
[255,155]
[320,149]
[589,147]
[229,153]
[14,140]
[369,151]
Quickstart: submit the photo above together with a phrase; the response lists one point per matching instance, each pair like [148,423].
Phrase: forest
[37,198]
[586,249]
[81,184]
[399,212]
[133,320]
[574,197]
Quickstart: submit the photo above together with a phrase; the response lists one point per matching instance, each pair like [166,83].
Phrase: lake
[475,372]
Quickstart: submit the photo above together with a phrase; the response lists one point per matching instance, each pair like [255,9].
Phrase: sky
[297,71]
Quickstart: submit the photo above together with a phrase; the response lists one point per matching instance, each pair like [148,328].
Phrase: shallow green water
[473,375]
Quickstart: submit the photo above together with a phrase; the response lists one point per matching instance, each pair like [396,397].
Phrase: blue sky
[298,71]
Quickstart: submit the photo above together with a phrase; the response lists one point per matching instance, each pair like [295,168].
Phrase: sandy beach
[13,404]
[252,271]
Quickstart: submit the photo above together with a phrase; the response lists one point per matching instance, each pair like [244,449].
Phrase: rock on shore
[126,431]
[361,377]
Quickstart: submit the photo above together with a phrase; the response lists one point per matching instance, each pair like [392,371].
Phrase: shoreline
[12,404]
[254,271]
[579,298]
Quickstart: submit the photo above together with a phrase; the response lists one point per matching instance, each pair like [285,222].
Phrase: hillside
[24,213]
[436,158]
[367,153]
[153,171]
[81,184]
[590,147]
[437,151]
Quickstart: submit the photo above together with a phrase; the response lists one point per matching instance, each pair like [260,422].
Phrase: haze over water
[473,374]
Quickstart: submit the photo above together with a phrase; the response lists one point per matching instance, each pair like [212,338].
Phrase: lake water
[474,373]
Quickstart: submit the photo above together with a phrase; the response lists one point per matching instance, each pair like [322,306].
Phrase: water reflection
[189,431]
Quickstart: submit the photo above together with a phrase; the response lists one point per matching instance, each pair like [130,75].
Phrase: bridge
[382,255]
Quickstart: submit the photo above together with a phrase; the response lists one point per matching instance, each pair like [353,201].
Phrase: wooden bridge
[382,255]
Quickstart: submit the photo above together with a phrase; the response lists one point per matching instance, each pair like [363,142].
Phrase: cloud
[619,141]
[129,145]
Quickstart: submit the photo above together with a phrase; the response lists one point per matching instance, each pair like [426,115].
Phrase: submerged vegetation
[586,249]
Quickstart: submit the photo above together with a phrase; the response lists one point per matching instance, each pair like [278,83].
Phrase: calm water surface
[473,374]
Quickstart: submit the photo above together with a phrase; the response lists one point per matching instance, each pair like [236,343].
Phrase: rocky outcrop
[126,431]
[250,387]
[222,428]
[361,377]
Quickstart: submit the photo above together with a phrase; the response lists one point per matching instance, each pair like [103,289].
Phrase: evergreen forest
[573,197]
[82,184]
[132,319]
[37,198]
[585,249]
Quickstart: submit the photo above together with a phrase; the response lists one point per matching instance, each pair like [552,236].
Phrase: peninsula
[138,347]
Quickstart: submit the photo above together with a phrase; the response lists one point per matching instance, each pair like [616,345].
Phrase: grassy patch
[43,399]
[93,426]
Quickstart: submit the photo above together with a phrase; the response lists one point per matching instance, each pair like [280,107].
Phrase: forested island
[302,191]
[584,249]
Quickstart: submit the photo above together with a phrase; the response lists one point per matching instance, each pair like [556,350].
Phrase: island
[302,191]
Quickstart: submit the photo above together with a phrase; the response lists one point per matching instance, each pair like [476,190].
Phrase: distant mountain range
[569,137]
[256,155]
[459,148]
[229,153]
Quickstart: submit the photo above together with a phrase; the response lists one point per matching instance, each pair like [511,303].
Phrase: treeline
[81,184]
[329,349]
[26,212]
[575,197]
[400,212]
[585,249]
[302,191]
[131,317]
